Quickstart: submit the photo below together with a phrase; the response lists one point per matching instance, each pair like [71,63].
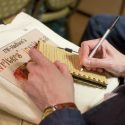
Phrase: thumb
[96,63]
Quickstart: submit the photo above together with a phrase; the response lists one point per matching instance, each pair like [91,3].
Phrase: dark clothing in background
[98,25]
[110,112]
[1,22]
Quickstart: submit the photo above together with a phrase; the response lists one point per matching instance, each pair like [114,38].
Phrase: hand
[106,57]
[48,83]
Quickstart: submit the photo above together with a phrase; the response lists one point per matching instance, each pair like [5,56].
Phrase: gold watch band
[51,109]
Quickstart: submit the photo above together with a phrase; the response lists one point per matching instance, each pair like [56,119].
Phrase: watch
[50,109]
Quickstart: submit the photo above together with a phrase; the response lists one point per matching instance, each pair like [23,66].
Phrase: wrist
[50,109]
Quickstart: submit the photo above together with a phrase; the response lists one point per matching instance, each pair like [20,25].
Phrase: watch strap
[50,109]
[65,105]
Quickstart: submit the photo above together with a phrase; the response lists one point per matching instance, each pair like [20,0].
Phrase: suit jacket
[110,112]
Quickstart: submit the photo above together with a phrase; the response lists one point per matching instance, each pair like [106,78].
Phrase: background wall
[78,20]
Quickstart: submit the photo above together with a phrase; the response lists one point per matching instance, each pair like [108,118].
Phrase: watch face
[48,111]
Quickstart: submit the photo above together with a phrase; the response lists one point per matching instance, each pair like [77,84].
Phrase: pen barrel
[104,37]
[116,20]
[99,43]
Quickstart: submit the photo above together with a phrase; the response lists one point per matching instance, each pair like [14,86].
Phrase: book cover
[72,61]
[15,54]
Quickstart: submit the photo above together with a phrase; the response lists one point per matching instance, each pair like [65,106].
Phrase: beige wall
[77,22]
[100,6]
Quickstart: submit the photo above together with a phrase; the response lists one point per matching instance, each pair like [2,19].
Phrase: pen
[103,38]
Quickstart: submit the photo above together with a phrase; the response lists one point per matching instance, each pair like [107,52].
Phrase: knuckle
[83,43]
[29,66]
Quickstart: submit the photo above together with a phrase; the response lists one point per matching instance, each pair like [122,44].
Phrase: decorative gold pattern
[72,61]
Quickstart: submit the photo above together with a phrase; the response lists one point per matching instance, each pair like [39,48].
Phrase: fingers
[83,53]
[31,66]
[62,67]
[97,63]
[90,43]
[100,70]
[38,57]
[86,48]
[80,55]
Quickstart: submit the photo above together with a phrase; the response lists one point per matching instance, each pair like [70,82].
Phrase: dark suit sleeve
[64,117]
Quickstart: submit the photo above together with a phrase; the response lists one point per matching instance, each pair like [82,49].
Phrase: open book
[15,41]
[14,55]
[72,62]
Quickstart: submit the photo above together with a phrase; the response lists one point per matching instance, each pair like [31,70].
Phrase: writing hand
[106,57]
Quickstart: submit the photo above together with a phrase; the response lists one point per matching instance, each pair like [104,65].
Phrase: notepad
[72,61]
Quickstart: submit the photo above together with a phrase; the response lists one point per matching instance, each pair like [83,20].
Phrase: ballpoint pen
[103,38]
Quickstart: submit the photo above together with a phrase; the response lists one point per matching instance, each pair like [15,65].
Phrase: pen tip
[81,69]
